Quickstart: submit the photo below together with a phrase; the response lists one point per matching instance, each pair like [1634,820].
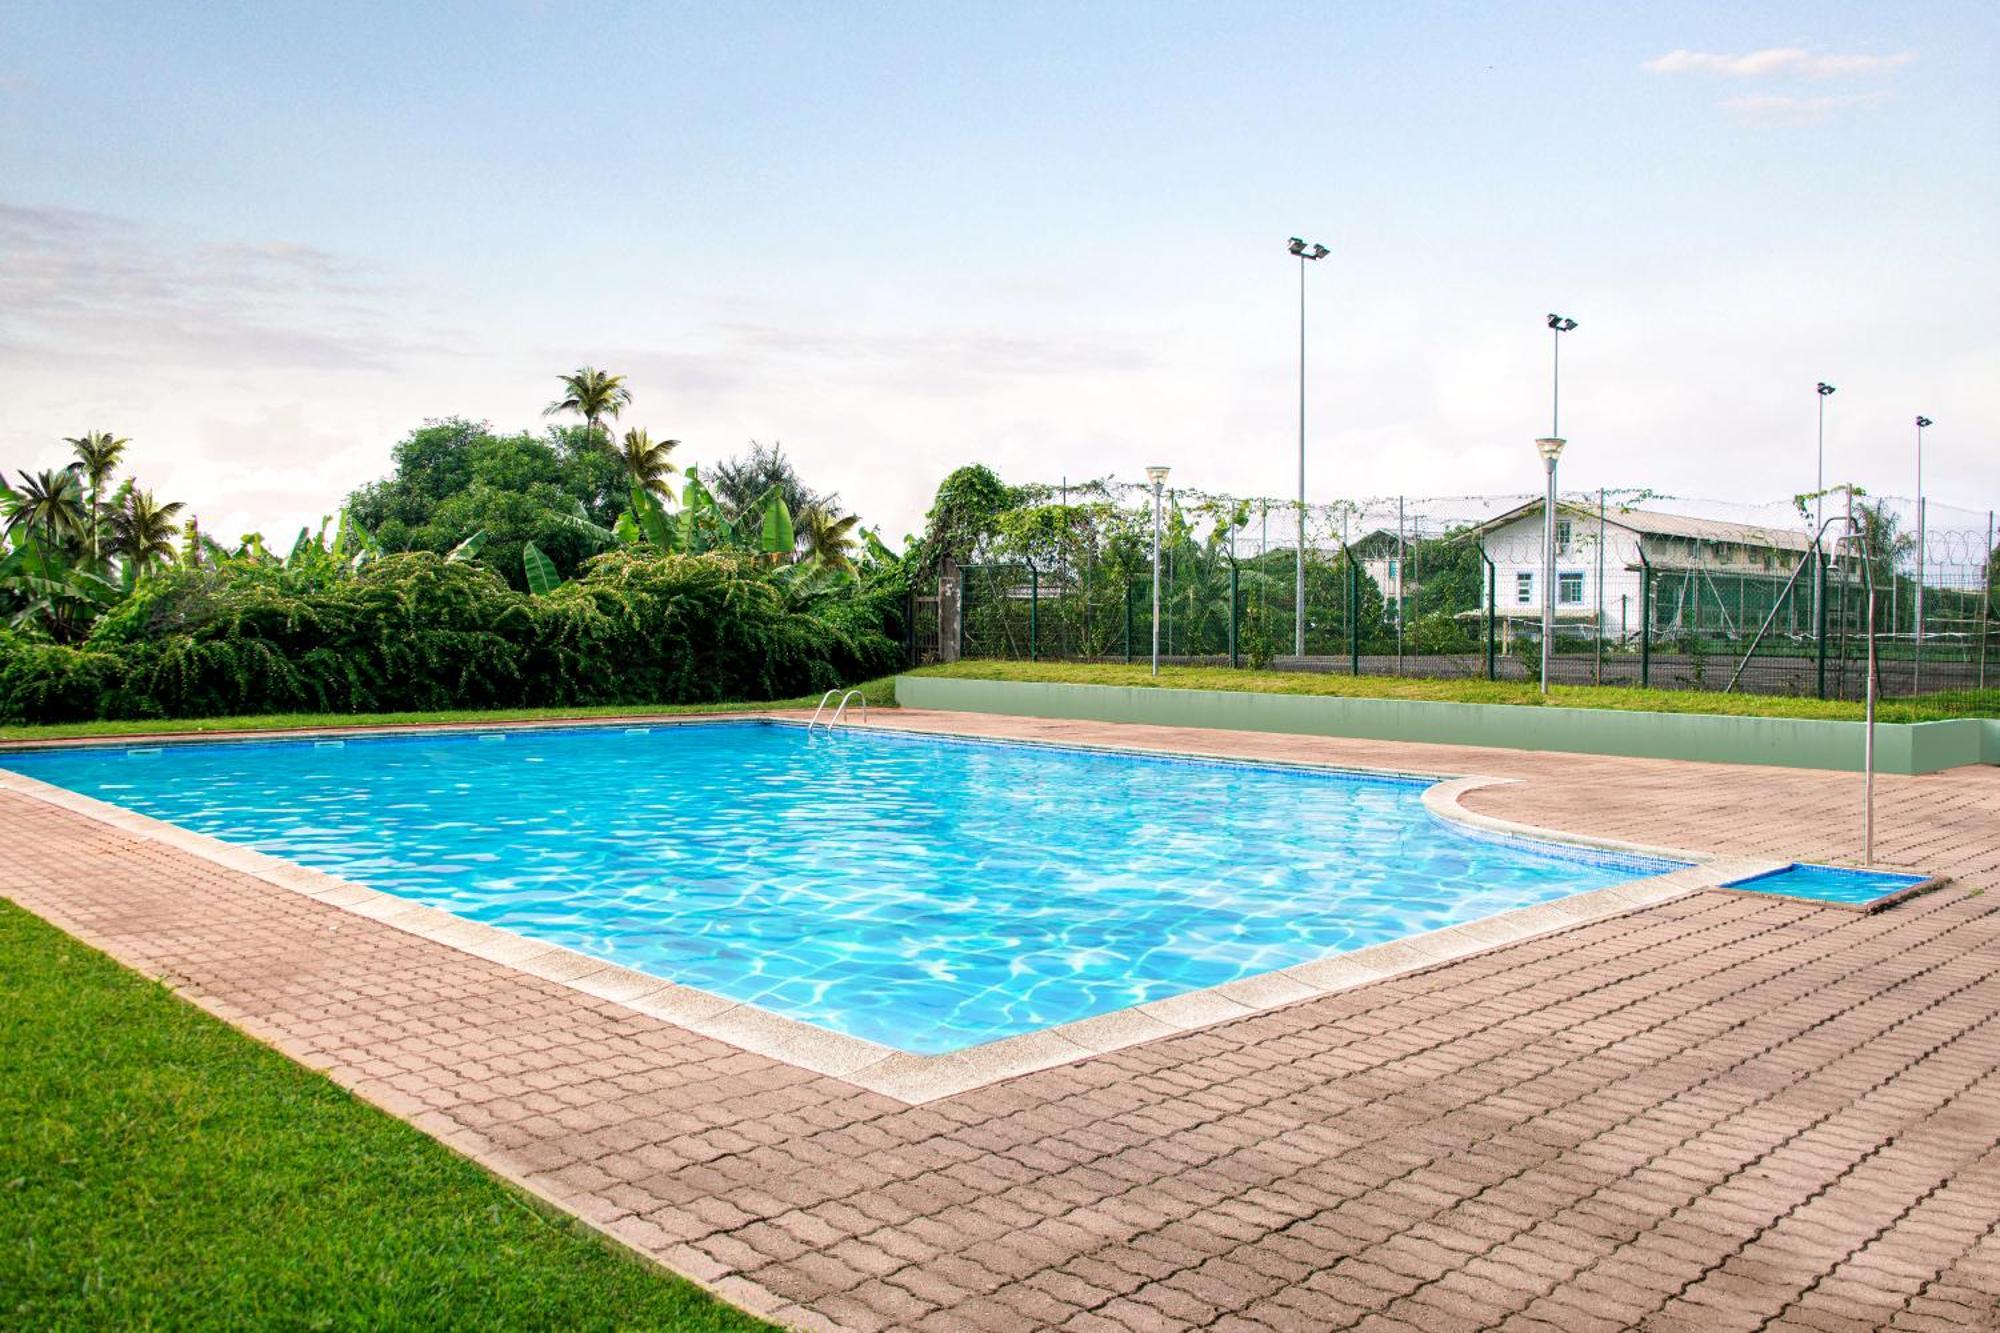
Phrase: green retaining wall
[1914,747]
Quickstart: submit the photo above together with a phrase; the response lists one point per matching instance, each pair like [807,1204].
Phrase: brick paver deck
[1722,1112]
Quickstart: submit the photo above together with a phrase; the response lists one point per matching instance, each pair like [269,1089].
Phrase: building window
[1562,534]
[1524,589]
[1395,568]
[1569,588]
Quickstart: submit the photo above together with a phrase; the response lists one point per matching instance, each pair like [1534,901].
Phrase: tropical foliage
[486,570]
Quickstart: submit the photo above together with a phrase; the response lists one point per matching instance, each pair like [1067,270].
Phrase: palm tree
[592,394]
[828,534]
[97,455]
[143,531]
[647,460]
[49,503]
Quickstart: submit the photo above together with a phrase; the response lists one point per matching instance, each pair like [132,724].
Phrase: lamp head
[1923,422]
[1550,447]
[1824,388]
[1560,324]
[1318,252]
[1157,475]
[1296,246]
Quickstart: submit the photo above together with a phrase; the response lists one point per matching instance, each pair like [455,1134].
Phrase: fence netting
[1648,589]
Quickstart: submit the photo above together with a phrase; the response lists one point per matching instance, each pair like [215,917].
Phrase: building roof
[1653,523]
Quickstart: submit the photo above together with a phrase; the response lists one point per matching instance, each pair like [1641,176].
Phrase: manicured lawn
[160,1169]
[879,693]
[1932,707]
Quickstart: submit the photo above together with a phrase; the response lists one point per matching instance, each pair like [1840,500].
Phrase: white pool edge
[915,1079]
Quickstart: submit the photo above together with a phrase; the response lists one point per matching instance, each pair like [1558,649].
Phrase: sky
[266,241]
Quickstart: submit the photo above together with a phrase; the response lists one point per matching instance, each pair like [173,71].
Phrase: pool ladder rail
[839,710]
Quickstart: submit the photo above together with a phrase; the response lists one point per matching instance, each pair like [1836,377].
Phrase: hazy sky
[265,241]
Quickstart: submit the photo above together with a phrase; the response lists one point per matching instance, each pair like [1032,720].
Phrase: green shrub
[416,631]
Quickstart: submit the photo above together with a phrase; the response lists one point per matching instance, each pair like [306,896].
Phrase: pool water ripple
[925,893]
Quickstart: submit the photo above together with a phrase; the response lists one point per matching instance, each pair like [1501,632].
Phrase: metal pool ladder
[839,709]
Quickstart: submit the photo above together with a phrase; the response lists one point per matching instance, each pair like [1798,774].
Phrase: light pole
[1819,468]
[1550,447]
[1559,326]
[1304,252]
[1158,476]
[1921,423]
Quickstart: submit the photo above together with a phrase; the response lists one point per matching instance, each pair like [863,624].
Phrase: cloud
[78,284]
[1776,60]
[1799,110]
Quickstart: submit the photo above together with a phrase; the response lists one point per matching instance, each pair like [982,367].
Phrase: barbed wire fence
[1649,589]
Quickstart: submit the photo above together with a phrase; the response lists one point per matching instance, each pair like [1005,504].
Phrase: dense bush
[417,631]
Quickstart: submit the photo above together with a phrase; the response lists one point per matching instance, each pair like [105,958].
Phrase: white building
[1723,573]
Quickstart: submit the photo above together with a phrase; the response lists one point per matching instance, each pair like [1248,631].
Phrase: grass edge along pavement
[1624,698]
[880,693]
[160,1168]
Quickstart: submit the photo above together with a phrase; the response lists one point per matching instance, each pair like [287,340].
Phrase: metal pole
[1299,590]
[1549,569]
[1599,677]
[1917,665]
[1985,597]
[1156,577]
[1128,618]
[1233,598]
[1353,611]
[1645,619]
[1034,604]
[1402,556]
[1819,618]
[1492,596]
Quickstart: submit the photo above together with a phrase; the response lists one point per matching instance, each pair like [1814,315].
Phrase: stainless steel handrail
[822,708]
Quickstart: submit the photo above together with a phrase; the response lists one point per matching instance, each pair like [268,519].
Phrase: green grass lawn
[160,1169]
[1928,708]
[879,693]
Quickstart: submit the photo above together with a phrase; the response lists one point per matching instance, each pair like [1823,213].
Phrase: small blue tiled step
[1830,884]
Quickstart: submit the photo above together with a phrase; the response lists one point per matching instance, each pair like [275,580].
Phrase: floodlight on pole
[1826,391]
[1158,476]
[1560,325]
[1922,421]
[1304,251]
[1550,447]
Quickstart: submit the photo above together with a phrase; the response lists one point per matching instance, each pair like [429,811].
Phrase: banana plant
[467,549]
[777,538]
[541,571]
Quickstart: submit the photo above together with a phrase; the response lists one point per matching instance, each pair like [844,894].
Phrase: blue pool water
[925,893]
[1829,884]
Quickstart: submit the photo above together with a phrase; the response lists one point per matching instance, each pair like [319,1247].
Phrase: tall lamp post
[1158,476]
[1819,468]
[1559,326]
[1550,447]
[1921,423]
[1304,252]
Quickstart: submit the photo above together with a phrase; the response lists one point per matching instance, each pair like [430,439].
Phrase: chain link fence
[1647,589]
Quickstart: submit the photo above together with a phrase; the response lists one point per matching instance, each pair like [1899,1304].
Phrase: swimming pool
[925,893]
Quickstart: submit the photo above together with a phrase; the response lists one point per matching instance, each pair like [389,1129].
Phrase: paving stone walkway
[1723,1112]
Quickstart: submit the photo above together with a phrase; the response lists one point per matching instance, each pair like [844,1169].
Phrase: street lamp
[1550,447]
[1560,325]
[1921,423]
[1304,252]
[1158,476]
[1819,469]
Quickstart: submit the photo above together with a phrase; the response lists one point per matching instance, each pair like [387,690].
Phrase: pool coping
[901,1075]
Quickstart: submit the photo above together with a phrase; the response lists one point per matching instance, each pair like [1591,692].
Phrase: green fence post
[1645,621]
[1492,603]
[1819,630]
[964,608]
[1234,594]
[1034,602]
[1353,618]
[1128,619]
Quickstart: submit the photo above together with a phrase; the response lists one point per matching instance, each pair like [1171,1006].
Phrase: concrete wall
[1922,747]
